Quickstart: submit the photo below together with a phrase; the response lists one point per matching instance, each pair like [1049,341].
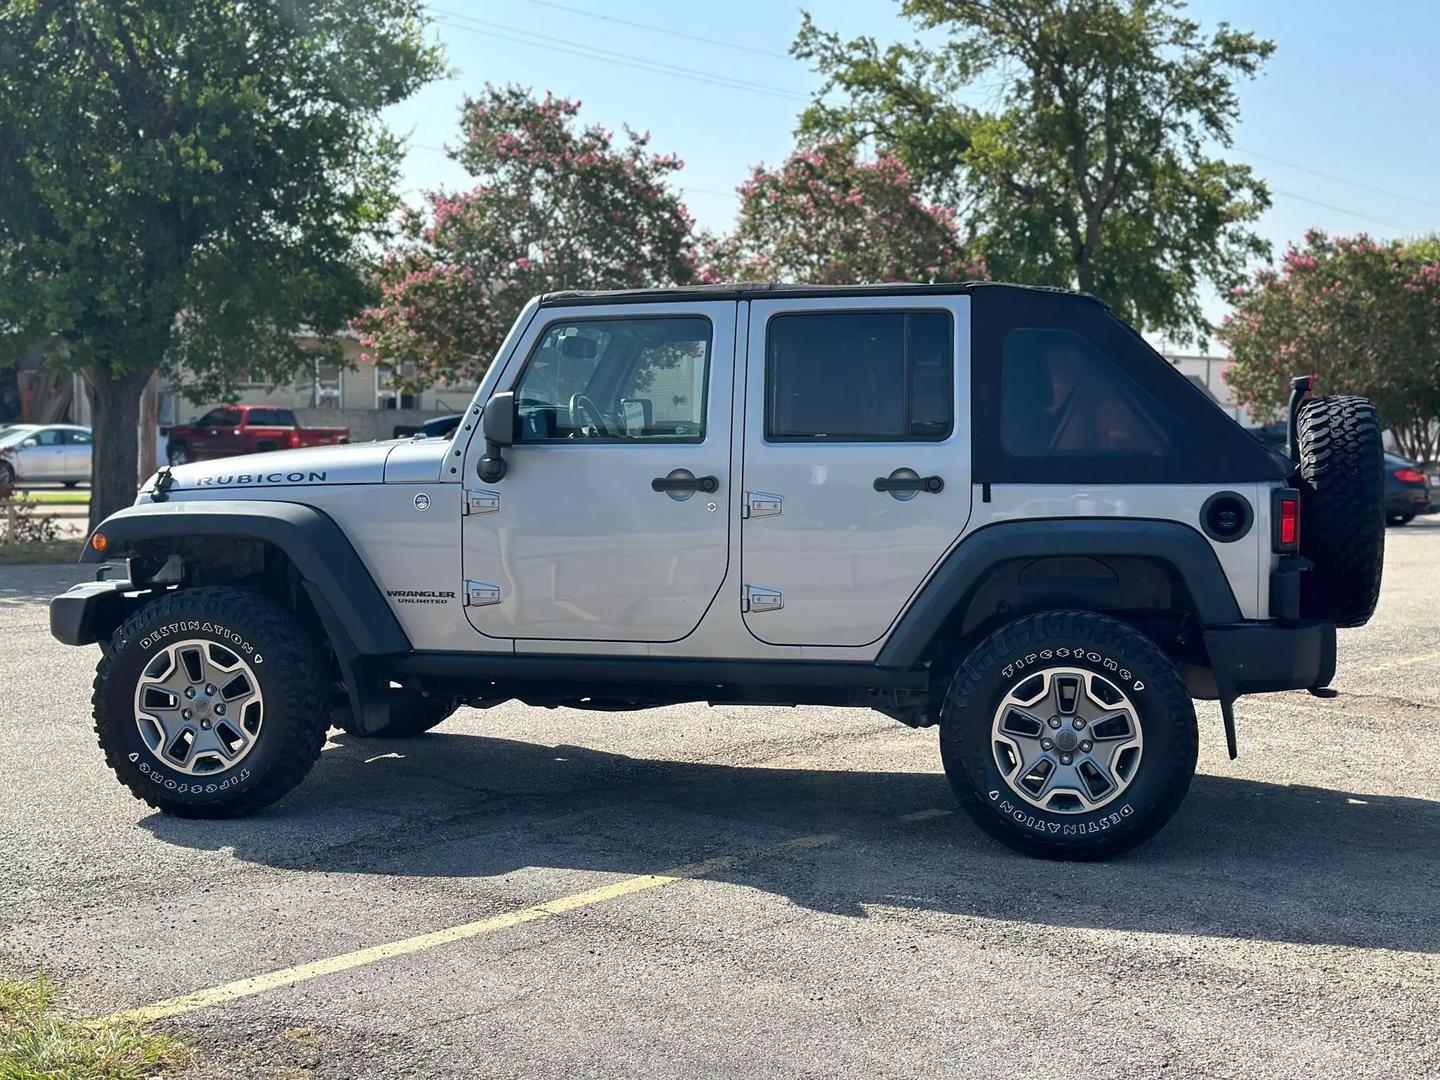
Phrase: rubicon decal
[262,478]
[420,596]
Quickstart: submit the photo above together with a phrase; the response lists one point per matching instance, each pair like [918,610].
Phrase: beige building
[361,396]
[1207,373]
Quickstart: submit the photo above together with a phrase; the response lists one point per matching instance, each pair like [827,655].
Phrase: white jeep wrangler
[987,507]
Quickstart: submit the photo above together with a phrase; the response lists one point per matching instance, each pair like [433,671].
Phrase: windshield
[12,436]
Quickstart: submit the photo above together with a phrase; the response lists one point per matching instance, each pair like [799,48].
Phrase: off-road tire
[411,714]
[288,664]
[1342,508]
[1081,640]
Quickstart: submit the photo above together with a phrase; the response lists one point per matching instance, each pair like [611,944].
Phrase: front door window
[623,380]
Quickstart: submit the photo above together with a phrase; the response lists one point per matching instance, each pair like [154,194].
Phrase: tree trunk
[149,426]
[115,408]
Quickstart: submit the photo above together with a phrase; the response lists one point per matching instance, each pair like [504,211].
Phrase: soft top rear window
[1063,392]
[1062,397]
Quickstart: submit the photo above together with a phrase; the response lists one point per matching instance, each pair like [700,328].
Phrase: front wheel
[178,454]
[208,702]
[1068,735]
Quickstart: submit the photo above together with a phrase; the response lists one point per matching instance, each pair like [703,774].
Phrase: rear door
[610,522]
[856,460]
[77,454]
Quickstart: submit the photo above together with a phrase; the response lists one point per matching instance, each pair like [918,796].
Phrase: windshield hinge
[482,502]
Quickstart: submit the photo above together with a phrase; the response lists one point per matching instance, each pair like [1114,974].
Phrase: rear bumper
[1407,500]
[1253,658]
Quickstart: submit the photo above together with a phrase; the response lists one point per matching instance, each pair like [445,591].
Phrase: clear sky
[1344,122]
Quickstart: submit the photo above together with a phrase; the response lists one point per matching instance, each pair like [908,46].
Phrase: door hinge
[481,594]
[757,599]
[760,504]
[482,502]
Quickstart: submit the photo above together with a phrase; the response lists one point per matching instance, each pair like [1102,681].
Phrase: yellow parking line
[1406,662]
[273,980]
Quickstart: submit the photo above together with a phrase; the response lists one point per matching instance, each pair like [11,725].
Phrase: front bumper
[1254,658]
[86,613]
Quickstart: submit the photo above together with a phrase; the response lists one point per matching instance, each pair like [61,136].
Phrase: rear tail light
[1409,476]
[294,439]
[1285,518]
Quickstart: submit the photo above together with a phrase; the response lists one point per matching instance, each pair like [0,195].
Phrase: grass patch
[39,1042]
[32,552]
[56,498]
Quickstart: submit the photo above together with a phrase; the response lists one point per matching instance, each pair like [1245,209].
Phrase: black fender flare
[959,573]
[326,561]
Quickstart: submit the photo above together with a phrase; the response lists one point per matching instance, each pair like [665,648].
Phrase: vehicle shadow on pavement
[1242,859]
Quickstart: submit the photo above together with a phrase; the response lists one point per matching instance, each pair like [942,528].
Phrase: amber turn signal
[99,541]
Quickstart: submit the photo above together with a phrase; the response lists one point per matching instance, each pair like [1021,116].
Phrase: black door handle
[931,484]
[707,484]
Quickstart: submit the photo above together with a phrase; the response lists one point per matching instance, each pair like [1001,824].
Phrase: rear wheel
[178,454]
[1342,506]
[1399,519]
[1068,735]
[207,702]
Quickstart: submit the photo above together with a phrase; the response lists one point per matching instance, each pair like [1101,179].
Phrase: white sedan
[57,453]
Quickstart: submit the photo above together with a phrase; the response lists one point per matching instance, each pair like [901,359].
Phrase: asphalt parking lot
[762,892]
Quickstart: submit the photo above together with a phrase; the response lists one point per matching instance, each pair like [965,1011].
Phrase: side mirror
[29,444]
[497,425]
[498,420]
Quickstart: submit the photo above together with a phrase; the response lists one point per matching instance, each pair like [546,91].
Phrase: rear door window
[871,376]
[271,418]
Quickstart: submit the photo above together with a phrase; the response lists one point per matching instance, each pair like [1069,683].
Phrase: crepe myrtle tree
[1362,314]
[825,216]
[556,205]
[187,183]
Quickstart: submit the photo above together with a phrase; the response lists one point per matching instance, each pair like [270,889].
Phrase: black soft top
[763,290]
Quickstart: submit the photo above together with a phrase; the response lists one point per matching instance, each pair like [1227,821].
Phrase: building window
[327,391]
[387,396]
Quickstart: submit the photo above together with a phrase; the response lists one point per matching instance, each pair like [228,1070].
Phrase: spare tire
[1342,508]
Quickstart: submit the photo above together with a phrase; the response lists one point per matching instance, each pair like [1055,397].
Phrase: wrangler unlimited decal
[420,596]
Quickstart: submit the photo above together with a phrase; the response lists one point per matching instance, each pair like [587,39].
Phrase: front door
[857,460]
[610,523]
[42,455]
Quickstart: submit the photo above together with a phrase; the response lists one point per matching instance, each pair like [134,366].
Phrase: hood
[348,463]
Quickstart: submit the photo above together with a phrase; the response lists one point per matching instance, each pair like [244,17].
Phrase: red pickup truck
[245,429]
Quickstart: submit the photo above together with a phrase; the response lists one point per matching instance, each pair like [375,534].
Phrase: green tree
[827,217]
[1362,315]
[1084,164]
[556,206]
[186,183]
